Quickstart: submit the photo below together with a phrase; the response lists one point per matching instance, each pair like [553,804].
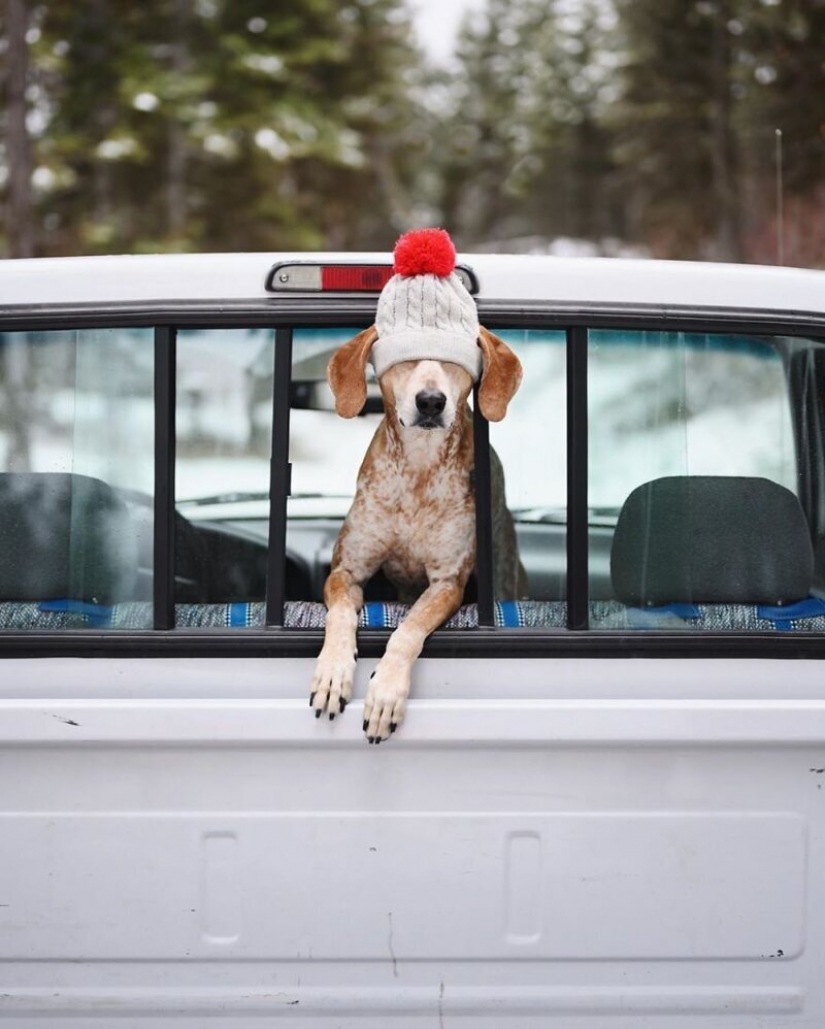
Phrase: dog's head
[425,394]
[426,346]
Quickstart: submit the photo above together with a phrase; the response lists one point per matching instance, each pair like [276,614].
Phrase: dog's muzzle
[430,404]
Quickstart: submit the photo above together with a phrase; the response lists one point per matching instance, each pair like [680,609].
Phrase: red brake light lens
[360,278]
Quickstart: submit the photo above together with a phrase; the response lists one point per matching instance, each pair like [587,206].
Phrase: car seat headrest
[711,539]
[65,536]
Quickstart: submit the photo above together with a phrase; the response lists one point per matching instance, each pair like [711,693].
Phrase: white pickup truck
[606,808]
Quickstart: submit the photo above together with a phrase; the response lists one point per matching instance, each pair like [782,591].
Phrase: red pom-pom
[424,252]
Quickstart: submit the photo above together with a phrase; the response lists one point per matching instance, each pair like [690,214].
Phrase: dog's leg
[389,686]
[332,682]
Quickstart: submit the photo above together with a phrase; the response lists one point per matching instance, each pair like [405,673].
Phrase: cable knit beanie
[424,311]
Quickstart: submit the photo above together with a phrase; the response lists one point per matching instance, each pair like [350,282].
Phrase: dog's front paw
[386,701]
[331,687]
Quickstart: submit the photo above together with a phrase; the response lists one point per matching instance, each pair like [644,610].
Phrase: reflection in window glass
[692,477]
[76,478]
[224,426]
[668,403]
[326,451]
[531,444]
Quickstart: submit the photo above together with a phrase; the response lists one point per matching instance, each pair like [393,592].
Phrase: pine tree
[531,155]
[677,125]
[783,85]
[706,85]
[218,124]
[18,145]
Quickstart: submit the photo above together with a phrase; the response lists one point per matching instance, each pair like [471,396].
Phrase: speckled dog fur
[413,516]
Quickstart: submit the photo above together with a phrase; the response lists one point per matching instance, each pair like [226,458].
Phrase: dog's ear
[347,373]
[500,376]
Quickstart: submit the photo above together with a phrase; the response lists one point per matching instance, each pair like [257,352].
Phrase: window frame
[284,315]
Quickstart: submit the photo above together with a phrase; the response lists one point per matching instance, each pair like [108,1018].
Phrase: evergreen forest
[687,129]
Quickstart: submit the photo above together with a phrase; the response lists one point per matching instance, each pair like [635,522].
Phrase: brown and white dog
[413,515]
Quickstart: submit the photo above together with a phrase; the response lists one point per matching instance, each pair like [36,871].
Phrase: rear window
[659,481]
[678,403]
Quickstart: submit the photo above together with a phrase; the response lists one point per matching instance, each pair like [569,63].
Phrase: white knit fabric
[426,318]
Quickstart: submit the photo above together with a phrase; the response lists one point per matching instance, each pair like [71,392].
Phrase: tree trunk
[20,215]
[20,229]
[723,148]
[177,161]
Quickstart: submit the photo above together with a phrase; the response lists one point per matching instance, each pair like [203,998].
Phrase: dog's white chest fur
[419,509]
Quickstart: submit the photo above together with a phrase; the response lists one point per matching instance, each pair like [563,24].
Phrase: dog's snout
[430,402]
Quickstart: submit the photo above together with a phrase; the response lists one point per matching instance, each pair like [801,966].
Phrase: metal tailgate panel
[422,884]
[623,863]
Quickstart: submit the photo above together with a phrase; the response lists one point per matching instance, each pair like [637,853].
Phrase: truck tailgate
[618,844]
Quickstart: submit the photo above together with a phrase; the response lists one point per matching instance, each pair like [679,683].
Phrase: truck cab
[605,807]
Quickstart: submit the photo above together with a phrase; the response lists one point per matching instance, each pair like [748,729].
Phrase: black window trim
[279,479]
[275,640]
[577,571]
[163,571]
[485,599]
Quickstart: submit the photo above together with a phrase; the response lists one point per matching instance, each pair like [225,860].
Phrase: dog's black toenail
[370,739]
[343,705]
[311,698]
[366,723]
[372,674]
[377,740]
[318,713]
[331,716]
[393,726]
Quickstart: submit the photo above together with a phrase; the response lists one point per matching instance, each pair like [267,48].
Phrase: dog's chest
[431,521]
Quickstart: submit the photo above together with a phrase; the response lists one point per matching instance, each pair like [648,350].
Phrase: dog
[413,515]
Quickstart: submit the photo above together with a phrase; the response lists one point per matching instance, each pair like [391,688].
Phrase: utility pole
[780,212]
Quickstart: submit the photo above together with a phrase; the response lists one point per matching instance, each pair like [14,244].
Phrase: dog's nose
[430,402]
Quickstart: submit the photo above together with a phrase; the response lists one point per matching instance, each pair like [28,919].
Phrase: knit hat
[424,311]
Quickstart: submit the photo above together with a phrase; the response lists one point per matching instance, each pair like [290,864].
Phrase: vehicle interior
[685,532]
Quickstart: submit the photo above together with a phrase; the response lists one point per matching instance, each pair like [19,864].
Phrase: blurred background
[669,128]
